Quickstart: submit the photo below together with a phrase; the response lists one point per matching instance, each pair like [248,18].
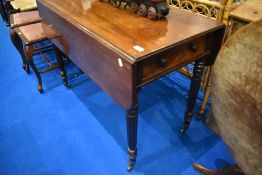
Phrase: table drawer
[172,59]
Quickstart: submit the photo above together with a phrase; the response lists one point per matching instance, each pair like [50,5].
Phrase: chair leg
[230,170]
[3,12]
[29,55]
[60,63]
[206,94]
[19,46]
[9,10]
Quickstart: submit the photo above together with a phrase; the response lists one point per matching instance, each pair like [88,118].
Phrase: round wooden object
[237,96]
[249,11]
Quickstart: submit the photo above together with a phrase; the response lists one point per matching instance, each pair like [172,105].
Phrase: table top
[134,36]
[249,11]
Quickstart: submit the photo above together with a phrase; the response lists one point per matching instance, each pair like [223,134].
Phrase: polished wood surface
[122,52]
[123,30]
[36,32]
[100,61]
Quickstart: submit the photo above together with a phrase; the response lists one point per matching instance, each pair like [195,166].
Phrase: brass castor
[183,130]
[130,166]
[67,85]
[132,159]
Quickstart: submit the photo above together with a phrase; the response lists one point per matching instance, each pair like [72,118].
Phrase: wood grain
[122,30]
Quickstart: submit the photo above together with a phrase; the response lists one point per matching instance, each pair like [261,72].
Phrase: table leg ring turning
[193,93]
[132,159]
[131,123]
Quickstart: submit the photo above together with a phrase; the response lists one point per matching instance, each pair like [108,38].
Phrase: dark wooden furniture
[18,20]
[3,10]
[122,52]
[35,33]
[8,7]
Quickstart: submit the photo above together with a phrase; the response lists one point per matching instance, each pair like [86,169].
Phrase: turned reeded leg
[60,63]
[29,56]
[193,93]
[19,46]
[131,123]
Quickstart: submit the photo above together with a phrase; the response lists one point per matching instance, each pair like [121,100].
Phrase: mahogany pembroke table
[123,52]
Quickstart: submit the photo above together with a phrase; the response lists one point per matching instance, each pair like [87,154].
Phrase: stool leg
[19,46]
[3,12]
[60,63]
[29,55]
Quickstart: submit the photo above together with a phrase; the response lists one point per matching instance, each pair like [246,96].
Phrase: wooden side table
[123,52]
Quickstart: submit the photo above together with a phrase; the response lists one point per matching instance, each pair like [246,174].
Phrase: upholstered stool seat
[24,5]
[35,33]
[31,34]
[24,18]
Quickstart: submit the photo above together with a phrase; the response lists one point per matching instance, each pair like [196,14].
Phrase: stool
[17,20]
[35,33]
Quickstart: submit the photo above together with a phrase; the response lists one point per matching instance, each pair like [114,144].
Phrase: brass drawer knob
[162,62]
[192,47]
